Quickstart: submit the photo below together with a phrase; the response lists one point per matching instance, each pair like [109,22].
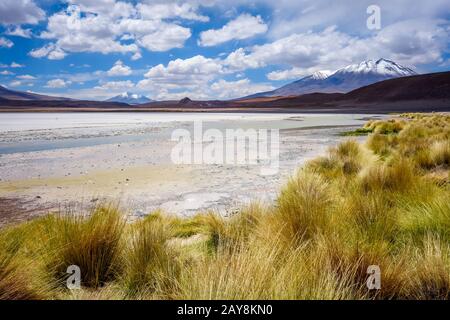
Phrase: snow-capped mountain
[320,75]
[380,67]
[342,80]
[130,98]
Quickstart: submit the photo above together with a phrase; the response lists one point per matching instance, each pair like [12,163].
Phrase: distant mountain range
[400,93]
[343,80]
[416,93]
[419,93]
[8,94]
[130,98]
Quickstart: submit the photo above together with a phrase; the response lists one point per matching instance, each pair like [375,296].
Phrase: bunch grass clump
[151,263]
[383,203]
[91,242]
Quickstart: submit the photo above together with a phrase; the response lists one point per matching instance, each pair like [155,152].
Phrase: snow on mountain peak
[130,95]
[381,67]
[320,75]
[130,98]
[343,80]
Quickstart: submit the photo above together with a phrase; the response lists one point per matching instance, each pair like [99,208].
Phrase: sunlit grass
[384,202]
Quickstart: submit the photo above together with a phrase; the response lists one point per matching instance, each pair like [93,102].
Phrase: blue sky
[206,49]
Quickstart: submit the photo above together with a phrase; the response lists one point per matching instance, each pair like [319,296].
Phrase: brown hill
[420,93]
[7,94]
[432,86]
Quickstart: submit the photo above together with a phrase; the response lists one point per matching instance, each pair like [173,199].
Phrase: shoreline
[231,110]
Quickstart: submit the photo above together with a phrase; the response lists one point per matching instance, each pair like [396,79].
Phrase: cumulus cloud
[241,60]
[6,73]
[170,10]
[302,37]
[198,78]
[110,26]
[18,31]
[119,69]
[234,89]
[410,42]
[187,73]
[20,12]
[90,33]
[26,77]
[15,83]
[102,91]
[136,56]
[5,42]
[115,85]
[299,16]
[110,7]
[243,27]
[51,51]
[57,83]
[293,73]
[165,37]
[16,65]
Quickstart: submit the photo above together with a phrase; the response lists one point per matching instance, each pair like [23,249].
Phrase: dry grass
[15,283]
[383,203]
[304,206]
[93,243]
[152,265]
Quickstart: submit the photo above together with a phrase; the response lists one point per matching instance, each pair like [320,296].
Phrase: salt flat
[82,158]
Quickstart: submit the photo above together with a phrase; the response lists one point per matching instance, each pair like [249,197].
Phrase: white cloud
[51,51]
[241,60]
[187,73]
[89,33]
[181,77]
[110,26]
[57,83]
[413,42]
[6,43]
[116,85]
[350,16]
[26,77]
[15,83]
[197,78]
[103,91]
[165,94]
[410,42]
[166,37]
[136,56]
[119,69]
[20,12]
[172,10]
[16,65]
[6,73]
[293,73]
[235,89]
[101,6]
[18,31]
[299,50]
[243,27]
